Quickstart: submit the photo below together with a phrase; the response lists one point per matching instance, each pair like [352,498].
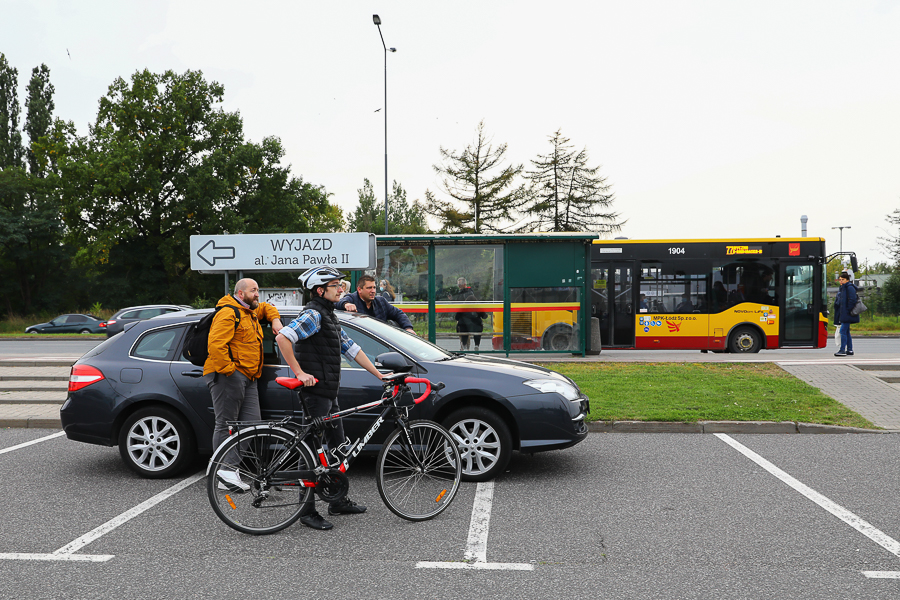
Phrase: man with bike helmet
[312,345]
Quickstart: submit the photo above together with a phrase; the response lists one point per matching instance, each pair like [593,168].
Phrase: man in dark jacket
[467,321]
[365,300]
[844,302]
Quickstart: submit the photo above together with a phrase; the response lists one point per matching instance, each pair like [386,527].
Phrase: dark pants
[235,398]
[322,407]
[465,327]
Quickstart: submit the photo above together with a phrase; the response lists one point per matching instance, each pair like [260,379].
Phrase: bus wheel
[557,337]
[744,339]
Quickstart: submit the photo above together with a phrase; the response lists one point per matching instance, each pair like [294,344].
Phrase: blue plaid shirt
[308,323]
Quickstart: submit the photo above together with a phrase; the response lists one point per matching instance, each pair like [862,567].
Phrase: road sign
[282,252]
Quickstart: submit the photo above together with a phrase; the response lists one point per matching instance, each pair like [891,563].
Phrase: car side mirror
[394,361]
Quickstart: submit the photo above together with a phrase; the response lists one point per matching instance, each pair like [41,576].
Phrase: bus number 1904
[676,250]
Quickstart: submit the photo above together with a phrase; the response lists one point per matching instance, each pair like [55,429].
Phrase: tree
[31,250]
[404,218]
[891,243]
[163,162]
[565,194]
[489,198]
[38,116]
[11,150]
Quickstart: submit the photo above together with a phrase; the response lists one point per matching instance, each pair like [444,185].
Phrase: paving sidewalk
[871,390]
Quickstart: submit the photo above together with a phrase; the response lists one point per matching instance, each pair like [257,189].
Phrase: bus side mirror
[853,264]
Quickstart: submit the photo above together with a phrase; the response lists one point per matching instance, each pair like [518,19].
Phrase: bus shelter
[491,293]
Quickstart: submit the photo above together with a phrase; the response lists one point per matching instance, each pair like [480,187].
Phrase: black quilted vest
[320,354]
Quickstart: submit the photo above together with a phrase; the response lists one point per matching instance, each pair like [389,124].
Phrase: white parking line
[854,521]
[882,574]
[68,551]
[475,556]
[23,445]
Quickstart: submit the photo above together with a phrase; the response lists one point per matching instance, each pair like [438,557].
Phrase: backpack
[196,342]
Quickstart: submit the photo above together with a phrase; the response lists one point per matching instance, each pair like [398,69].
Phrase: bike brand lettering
[368,436]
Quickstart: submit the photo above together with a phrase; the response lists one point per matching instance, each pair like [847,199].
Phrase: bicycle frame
[348,455]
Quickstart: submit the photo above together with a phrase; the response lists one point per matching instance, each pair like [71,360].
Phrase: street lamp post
[842,228]
[377,20]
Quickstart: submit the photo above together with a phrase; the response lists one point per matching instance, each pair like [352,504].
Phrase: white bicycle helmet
[319,276]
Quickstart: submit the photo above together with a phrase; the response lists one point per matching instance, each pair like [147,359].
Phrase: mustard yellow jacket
[238,348]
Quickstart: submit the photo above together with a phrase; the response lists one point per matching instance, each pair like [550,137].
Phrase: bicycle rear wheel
[418,477]
[269,505]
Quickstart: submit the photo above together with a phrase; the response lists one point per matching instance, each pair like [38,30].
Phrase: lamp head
[392,49]
[376,19]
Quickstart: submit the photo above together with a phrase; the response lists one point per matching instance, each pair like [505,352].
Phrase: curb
[753,427]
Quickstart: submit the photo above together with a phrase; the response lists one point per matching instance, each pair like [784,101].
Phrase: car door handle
[192,373]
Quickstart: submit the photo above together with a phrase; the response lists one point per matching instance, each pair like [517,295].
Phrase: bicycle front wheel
[418,470]
[257,503]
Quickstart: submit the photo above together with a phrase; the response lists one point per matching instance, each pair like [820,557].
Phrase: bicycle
[417,471]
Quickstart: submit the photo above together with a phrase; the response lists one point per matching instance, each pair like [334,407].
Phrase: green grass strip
[691,392]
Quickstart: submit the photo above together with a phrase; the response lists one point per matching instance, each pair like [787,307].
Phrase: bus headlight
[548,386]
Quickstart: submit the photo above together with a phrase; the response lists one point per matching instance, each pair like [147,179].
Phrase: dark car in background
[136,391]
[72,323]
[116,323]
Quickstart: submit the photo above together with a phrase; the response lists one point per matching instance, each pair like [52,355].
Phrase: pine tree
[565,194]
[483,200]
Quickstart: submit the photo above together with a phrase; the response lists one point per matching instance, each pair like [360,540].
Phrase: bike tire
[266,507]
[418,482]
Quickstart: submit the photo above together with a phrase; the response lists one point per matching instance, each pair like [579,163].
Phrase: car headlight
[548,386]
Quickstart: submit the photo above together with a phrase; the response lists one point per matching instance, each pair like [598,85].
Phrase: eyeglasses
[334,286]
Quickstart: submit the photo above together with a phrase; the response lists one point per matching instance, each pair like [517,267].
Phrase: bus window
[664,290]
[748,281]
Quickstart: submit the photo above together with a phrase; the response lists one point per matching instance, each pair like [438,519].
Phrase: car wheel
[485,444]
[83,331]
[744,340]
[557,337]
[156,442]
[33,332]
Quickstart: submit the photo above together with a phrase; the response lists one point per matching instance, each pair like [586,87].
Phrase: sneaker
[840,354]
[849,352]
[231,481]
[345,507]
[316,521]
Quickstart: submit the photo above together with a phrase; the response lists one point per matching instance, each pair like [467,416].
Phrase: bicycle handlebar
[417,380]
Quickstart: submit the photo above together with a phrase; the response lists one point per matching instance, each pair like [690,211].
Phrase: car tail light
[83,376]
[111,321]
[103,324]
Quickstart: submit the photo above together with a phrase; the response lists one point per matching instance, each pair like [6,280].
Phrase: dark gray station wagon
[136,391]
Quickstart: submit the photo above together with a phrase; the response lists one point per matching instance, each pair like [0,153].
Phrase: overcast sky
[709,118]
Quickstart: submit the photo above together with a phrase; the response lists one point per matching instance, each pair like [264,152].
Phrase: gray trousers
[235,398]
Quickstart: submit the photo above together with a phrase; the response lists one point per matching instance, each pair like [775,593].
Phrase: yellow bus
[735,295]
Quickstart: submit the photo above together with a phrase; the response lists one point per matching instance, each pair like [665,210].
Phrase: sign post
[282,252]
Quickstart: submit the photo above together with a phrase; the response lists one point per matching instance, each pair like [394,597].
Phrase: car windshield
[410,343]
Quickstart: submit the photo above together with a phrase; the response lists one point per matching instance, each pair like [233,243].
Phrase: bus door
[799,305]
[612,303]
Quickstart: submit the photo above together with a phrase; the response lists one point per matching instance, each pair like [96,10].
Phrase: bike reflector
[441,495]
[82,376]
[230,502]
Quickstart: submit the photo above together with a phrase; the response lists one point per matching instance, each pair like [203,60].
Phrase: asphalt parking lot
[619,516]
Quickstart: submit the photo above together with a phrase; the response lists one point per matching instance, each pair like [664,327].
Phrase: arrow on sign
[210,255]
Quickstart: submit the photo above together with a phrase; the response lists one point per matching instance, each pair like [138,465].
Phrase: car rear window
[158,344]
